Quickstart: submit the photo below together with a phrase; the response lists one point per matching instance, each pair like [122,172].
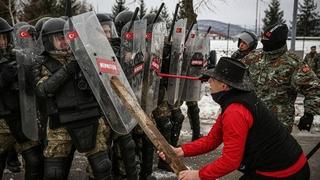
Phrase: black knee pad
[55,168]
[34,163]
[127,148]
[100,165]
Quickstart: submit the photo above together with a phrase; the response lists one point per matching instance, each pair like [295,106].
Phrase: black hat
[232,72]
[275,37]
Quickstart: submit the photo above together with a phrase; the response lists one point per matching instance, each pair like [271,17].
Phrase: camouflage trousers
[7,140]
[60,142]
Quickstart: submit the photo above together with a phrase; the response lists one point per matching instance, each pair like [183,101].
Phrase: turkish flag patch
[72,35]
[107,66]
[24,34]
[305,69]
[155,65]
[178,30]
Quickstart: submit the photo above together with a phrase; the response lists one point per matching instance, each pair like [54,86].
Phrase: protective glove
[305,122]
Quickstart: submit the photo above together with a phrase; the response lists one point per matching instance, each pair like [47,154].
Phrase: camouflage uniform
[278,77]
[313,60]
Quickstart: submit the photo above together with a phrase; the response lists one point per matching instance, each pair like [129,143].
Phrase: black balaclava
[274,37]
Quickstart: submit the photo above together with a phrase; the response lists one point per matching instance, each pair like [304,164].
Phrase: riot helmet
[249,38]
[5,36]
[40,23]
[122,19]
[107,25]
[150,18]
[52,35]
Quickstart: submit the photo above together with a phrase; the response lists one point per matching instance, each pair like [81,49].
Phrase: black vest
[269,146]
[73,101]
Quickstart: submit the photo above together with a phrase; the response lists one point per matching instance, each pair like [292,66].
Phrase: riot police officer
[247,42]
[10,121]
[74,116]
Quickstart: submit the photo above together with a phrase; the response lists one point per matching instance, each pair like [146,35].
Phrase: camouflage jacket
[313,62]
[278,77]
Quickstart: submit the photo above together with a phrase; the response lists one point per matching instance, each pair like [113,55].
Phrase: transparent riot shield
[155,42]
[176,59]
[98,63]
[26,48]
[198,60]
[187,56]
[132,54]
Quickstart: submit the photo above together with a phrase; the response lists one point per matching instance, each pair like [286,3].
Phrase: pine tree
[118,7]
[166,16]
[273,15]
[143,9]
[308,22]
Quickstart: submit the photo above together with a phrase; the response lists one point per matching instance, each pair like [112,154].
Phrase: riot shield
[187,56]
[98,63]
[26,47]
[198,60]
[155,42]
[132,54]
[176,58]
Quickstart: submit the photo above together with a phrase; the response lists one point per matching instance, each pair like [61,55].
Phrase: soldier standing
[313,60]
[279,75]
[74,116]
[10,120]
[247,42]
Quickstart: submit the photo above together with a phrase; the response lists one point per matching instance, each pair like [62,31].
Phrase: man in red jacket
[255,142]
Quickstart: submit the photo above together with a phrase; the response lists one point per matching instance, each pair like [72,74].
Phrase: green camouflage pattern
[313,60]
[7,140]
[278,76]
[59,141]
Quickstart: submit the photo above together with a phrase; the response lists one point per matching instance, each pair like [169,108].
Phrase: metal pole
[228,39]
[294,25]
[256,29]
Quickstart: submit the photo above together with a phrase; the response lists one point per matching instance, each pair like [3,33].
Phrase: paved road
[307,141]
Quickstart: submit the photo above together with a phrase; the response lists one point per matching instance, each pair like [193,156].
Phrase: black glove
[9,72]
[204,78]
[305,122]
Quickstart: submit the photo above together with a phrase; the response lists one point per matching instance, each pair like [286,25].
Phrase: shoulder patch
[305,68]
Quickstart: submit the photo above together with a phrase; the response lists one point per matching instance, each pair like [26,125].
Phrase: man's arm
[205,143]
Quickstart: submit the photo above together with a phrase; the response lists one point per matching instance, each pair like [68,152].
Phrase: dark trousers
[303,174]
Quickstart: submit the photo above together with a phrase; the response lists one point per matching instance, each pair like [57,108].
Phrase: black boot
[13,163]
[147,159]
[55,168]
[128,154]
[194,120]
[101,166]
[3,158]
[164,125]
[176,120]
[34,163]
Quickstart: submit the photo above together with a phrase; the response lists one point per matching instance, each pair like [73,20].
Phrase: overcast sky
[240,12]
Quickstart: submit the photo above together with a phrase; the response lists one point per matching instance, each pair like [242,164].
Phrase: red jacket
[231,128]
